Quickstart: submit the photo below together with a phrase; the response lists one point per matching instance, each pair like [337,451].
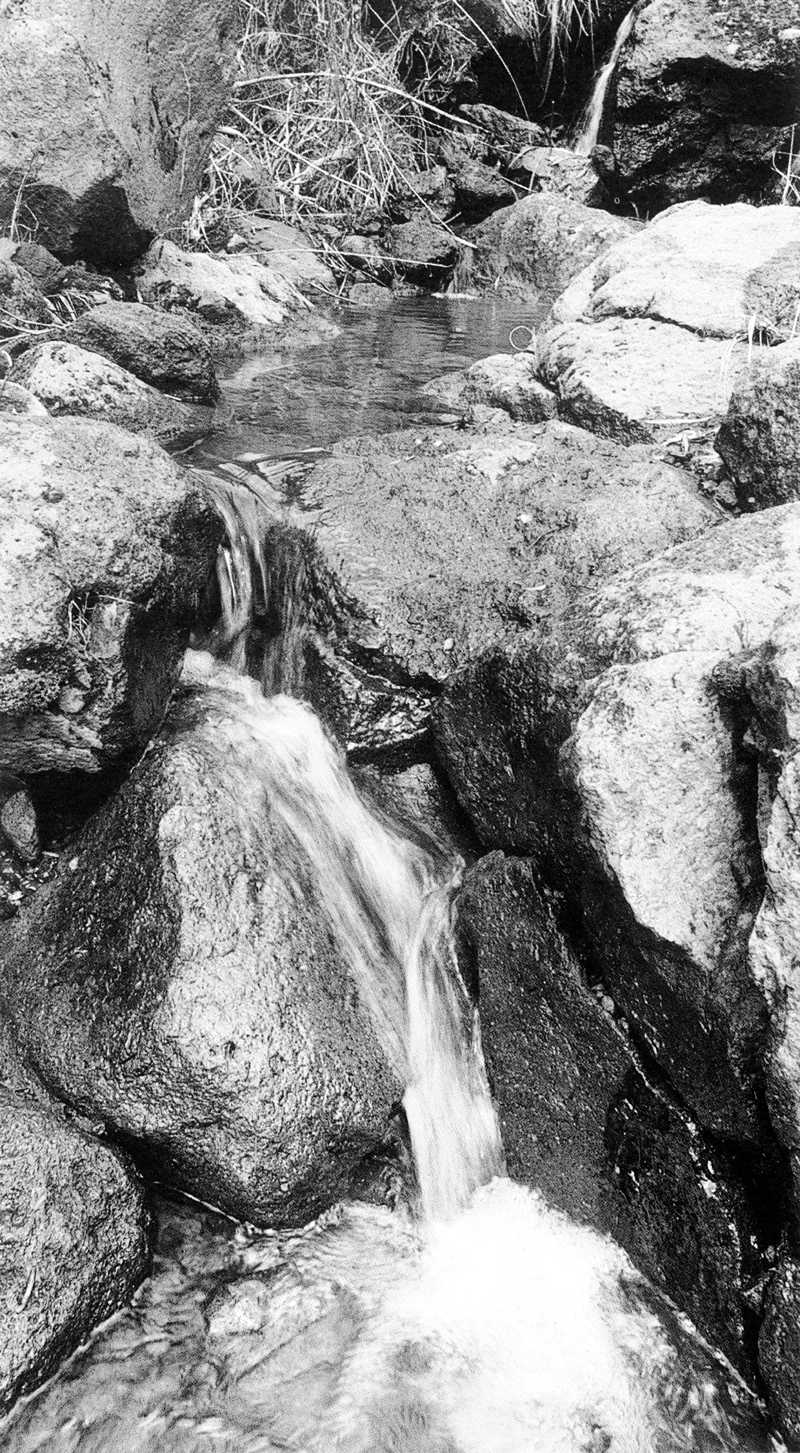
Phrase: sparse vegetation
[336,111]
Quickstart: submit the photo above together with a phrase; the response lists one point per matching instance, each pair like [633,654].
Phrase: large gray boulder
[163,349]
[759,438]
[610,745]
[413,553]
[108,117]
[651,339]
[73,382]
[706,96]
[532,249]
[107,546]
[186,978]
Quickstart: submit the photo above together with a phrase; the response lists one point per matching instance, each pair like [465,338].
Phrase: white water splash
[592,118]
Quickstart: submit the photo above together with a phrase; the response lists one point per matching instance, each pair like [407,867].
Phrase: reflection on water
[504,1330]
[365,381]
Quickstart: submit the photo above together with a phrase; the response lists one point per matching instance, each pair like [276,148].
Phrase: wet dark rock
[420,800]
[759,438]
[611,746]
[72,381]
[580,1118]
[370,295]
[163,349]
[651,339]
[779,1348]
[706,95]
[534,248]
[413,553]
[107,122]
[75,1239]
[106,548]
[180,982]
[480,190]
[423,252]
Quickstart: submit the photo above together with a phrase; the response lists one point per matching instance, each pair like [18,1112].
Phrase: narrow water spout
[592,118]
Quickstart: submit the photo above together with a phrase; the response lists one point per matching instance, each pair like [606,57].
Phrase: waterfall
[591,120]
[387,903]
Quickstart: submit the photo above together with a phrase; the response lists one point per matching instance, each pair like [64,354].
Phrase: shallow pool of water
[367,380]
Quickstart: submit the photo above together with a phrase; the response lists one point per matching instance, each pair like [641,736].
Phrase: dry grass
[334,113]
[322,128]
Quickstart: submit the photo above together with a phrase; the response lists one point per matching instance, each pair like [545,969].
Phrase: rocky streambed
[529,562]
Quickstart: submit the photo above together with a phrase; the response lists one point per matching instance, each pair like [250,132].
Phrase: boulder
[238,295]
[759,438]
[413,553]
[562,171]
[68,380]
[534,248]
[479,190]
[108,120]
[504,381]
[424,252]
[706,96]
[653,336]
[74,1244]
[106,547]
[163,349]
[14,399]
[635,380]
[611,746]
[288,251]
[199,975]
[582,1121]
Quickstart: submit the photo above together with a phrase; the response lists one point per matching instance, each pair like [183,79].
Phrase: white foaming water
[592,118]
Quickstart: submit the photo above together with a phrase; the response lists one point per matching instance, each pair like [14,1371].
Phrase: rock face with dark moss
[759,438]
[182,980]
[706,96]
[106,548]
[108,118]
[583,1120]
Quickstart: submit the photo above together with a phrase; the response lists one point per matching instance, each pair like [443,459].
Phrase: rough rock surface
[74,1243]
[581,1120]
[653,336]
[181,978]
[556,169]
[505,381]
[108,117]
[69,380]
[162,349]
[288,251]
[423,251]
[238,293]
[106,546]
[413,553]
[759,438]
[22,303]
[779,1348]
[534,248]
[706,94]
[611,746]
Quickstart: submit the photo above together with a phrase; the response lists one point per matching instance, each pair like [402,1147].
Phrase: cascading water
[477,1321]
[592,118]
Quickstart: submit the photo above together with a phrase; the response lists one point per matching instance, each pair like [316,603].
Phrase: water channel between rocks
[472,1318]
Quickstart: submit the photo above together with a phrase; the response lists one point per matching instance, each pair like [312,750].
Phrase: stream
[463,1315]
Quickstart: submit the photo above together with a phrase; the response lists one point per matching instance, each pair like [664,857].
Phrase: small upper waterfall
[591,120]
